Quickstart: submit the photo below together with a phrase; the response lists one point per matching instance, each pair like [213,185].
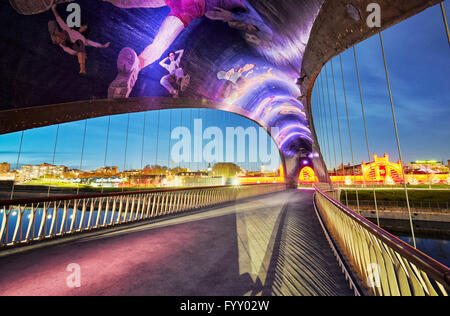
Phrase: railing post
[105,218]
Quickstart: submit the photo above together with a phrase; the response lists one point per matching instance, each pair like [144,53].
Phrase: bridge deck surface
[271,245]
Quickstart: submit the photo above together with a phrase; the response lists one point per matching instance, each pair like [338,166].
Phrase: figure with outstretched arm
[73,42]
[256,32]
[183,12]
[176,74]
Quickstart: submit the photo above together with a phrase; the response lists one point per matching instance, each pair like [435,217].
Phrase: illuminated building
[36,172]
[263,179]
[307,175]
[381,171]
[427,166]
[4,167]
[107,171]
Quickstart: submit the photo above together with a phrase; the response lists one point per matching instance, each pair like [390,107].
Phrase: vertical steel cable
[397,138]
[190,149]
[170,139]
[54,154]
[367,134]
[157,143]
[444,16]
[82,152]
[199,163]
[17,165]
[321,115]
[106,146]
[126,149]
[314,114]
[181,124]
[143,140]
[337,115]
[143,143]
[325,123]
[319,119]
[339,128]
[331,119]
[205,111]
[349,130]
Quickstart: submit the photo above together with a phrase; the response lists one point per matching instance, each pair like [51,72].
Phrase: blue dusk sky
[144,146]
[418,57]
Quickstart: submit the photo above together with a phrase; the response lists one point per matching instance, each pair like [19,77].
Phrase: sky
[418,57]
[145,144]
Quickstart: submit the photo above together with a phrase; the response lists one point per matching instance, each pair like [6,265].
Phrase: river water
[438,249]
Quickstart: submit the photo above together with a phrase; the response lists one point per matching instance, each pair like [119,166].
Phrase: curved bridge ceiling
[246,56]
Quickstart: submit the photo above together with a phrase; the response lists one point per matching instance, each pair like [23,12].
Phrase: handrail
[67,197]
[32,220]
[431,267]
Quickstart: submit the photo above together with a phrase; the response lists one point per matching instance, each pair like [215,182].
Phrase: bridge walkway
[269,245]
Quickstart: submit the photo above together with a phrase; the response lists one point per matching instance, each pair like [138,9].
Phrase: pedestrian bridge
[266,239]
[230,240]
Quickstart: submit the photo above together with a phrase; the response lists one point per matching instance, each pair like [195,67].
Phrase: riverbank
[435,195]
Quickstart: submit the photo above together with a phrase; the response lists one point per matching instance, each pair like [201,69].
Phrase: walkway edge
[354,285]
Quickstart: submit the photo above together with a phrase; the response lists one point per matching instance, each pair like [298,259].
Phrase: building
[109,171]
[382,170]
[427,167]
[28,172]
[5,167]
[349,169]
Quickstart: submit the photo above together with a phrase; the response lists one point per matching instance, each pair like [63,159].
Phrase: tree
[226,170]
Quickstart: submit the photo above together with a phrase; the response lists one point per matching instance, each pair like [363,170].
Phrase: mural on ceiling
[230,51]
[130,48]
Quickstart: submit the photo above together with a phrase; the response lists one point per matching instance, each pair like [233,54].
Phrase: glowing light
[295,134]
[288,104]
[248,86]
[426,162]
[382,169]
[307,175]
[285,131]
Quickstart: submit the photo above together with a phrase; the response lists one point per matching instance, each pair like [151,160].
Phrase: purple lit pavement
[271,245]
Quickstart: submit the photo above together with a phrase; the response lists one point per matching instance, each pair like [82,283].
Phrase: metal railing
[28,220]
[417,205]
[384,264]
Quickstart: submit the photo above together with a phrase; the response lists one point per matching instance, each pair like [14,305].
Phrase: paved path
[271,245]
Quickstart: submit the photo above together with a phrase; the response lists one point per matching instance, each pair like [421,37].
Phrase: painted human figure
[183,12]
[176,74]
[72,41]
[235,79]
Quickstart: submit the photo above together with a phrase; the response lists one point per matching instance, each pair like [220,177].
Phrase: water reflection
[438,249]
